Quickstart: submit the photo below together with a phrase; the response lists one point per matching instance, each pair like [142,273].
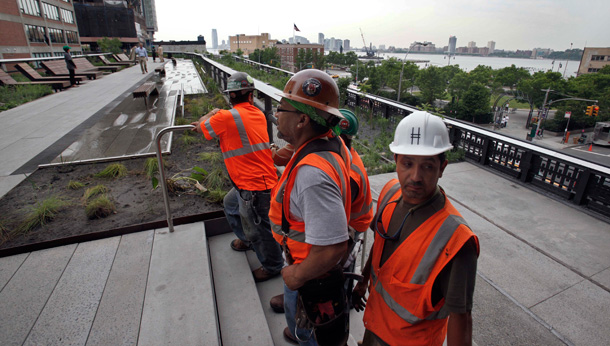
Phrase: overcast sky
[512,24]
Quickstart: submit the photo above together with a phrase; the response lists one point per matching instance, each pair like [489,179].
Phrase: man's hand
[289,274]
[203,119]
[358,299]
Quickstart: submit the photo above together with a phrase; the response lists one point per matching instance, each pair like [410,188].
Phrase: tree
[343,83]
[107,45]
[431,83]
[476,104]
[511,76]
[458,85]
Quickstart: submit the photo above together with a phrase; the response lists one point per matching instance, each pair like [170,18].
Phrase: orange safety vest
[335,166]
[399,309]
[244,143]
[362,204]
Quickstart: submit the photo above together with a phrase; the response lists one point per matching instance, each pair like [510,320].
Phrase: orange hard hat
[314,88]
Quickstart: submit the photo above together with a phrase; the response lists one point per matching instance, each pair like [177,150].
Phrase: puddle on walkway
[130,128]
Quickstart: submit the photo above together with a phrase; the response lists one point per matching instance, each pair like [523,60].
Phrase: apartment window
[40,55]
[35,33]
[67,16]
[593,70]
[30,7]
[56,35]
[72,36]
[50,11]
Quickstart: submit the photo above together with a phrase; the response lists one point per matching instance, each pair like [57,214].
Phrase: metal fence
[583,183]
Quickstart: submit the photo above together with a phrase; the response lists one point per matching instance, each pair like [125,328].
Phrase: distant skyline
[513,25]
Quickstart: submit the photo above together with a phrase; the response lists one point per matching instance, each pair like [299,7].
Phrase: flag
[295,28]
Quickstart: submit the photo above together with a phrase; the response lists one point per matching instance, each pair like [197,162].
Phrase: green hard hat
[67,47]
[349,123]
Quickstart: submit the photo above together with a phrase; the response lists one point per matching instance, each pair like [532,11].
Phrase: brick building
[290,52]
[34,29]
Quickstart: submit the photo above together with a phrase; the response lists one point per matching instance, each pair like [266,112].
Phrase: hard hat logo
[344,125]
[312,87]
[421,134]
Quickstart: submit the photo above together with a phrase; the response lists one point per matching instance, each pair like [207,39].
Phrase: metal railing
[583,183]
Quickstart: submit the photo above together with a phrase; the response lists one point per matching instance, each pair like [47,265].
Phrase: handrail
[45,58]
[168,212]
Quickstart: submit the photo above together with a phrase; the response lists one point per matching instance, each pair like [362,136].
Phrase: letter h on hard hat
[421,134]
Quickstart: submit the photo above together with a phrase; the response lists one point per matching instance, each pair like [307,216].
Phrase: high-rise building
[331,44]
[472,44]
[320,38]
[214,39]
[492,46]
[346,46]
[150,13]
[452,44]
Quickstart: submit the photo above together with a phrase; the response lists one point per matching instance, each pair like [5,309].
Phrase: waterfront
[469,62]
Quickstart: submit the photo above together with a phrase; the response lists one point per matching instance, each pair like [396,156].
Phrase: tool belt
[322,307]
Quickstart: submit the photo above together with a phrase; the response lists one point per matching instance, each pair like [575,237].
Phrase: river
[468,62]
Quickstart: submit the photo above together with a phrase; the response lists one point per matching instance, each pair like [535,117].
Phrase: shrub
[42,213]
[115,170]
[75,185]
[100,207]
[94,191]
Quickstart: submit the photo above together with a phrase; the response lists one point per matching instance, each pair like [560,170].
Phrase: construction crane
[369,52]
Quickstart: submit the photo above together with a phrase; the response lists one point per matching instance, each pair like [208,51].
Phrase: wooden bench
[85,65]
[160,70]
[6,79]
[124,58]
[145,90]
[110,63]
[58,68]
[33,75]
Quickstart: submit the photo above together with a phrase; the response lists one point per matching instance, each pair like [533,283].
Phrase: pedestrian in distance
[154,53]
[310,210]
[244,142]
[422,266]
[142,55]
[70,65]
[160,52]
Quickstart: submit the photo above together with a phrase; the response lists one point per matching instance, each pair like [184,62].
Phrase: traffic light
[589,111]
[595,110]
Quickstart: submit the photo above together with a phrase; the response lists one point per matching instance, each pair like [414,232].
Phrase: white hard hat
[421,134]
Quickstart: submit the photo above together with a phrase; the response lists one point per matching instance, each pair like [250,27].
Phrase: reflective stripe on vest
[420,277]
[246,148]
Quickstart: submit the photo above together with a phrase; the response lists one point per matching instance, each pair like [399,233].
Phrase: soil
[133,195]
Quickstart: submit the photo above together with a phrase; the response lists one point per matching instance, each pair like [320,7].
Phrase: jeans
[248,215]
[290,308]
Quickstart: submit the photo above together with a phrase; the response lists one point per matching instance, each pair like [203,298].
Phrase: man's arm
[320,260]
[459,329]
[203,119]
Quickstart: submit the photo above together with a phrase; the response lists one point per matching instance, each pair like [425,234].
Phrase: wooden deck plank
[68,314]
[179,305]
[117,321]
[25,295]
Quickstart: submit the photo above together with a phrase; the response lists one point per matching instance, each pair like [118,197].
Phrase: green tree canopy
[431,82]
[109,45]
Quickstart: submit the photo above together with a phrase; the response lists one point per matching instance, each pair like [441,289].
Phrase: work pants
[247,213]
[305,336]
[72,76]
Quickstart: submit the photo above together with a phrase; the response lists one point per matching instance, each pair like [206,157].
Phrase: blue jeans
[290,308]
[248,215]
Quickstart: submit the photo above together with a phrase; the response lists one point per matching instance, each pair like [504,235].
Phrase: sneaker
[261,274]
[277,303]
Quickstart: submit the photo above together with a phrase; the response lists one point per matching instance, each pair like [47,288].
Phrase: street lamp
[403,66]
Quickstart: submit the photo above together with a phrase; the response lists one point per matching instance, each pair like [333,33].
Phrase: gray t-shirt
[316,200]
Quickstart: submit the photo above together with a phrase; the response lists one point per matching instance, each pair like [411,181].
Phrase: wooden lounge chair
[6,79]
[85,65]
[58,68]
[33,75]
[124,58]
[110,63]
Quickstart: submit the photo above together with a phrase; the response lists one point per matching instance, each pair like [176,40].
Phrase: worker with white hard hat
[422,266]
